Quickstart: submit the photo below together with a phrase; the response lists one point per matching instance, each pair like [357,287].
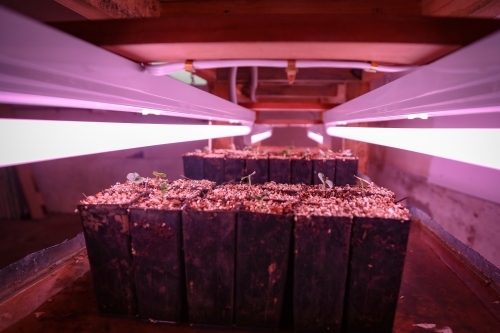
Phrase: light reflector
[26,141]
[469,145]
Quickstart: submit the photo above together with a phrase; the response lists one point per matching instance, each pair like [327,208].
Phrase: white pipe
[254,83]
[168,68]
[232,84]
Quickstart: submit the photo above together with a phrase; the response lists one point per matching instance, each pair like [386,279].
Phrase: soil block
[346,169]
[156,247]
[302,171]
[209,245]
[262,250]
[193,166]
[376,260]
[279,170]
[320,270]
[324,166]
[107,236]
[234,169]
[261,167]
[213,168]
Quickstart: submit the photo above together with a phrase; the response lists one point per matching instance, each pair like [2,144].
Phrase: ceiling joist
[386,39]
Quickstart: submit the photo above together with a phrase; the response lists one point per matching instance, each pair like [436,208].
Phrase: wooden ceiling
[385,31]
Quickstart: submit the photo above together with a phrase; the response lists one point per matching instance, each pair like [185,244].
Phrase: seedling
[347,152]
[291,147]
[198,150]
[246,148]
[206,149]
[249,178]
[361,182]
[322,153]
[135,178]
[284,152]
[325,180]
[260,198]
[308,151]
[163,188]
[159,175]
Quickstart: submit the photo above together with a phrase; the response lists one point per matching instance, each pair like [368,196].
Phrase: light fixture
[463,82]
[466,145]
[261,136]
[40,65]
[26,141]
[315,137]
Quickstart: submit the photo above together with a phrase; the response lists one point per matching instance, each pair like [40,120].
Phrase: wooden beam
[84,9]
[389,39]
[400,7]
[288,106]
[470,8]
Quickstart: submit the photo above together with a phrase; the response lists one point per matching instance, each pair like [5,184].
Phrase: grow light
[464,82]
[261,136]
[26,141]
[315,137]
[466,145]
[40,65]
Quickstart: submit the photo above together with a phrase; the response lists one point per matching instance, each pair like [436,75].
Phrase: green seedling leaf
[159,175]
[325,180]
[246,148]
[347,152]
[321,177]
[249,178]
[206,149]
[292,147]
[322,153]
[163,188]
[308,151]
[198,150]
[361,182]
[260,198]
[135,178]
[284,152]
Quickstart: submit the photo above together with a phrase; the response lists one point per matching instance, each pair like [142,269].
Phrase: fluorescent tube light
[27,141]
[419,116]
[463,82]
[315,137]
[469,145]
[261,136]
[40,65]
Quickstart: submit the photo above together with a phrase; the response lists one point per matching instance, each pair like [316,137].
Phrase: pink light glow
[469,145]
[27,141]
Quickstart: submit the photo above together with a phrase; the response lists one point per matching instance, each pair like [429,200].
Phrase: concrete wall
[463,198]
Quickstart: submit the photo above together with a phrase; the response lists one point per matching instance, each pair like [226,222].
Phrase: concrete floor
[19,238]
